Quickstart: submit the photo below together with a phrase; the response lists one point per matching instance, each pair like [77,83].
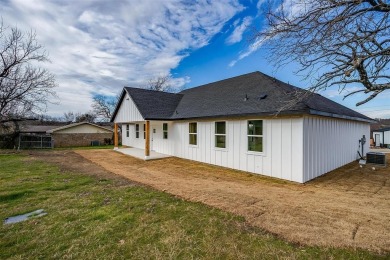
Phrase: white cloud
[100,46]
[291,8]
[252,48]
[239,30]
[260,3]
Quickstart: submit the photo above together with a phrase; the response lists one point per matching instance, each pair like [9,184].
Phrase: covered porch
[140,153]
[146,140]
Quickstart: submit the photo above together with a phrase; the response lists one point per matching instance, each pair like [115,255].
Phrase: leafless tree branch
[340,43]
[160,83]
[24,88]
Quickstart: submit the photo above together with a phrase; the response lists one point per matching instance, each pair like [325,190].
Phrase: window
[136,130]
[127,130]
[193,133]
[144,131]
[220,134]
[165,130]
[255,135]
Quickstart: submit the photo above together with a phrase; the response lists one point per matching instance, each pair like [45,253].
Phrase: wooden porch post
[147,140]
[115,136]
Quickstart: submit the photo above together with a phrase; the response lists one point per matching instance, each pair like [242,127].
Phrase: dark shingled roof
[38,128]
[154,104]
[246,95]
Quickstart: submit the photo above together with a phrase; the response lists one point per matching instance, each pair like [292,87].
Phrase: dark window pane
[137,127]
[127,127]
[144,127]
[165,126]
[220,141]
[136,134]
[193,138]
[220,127]
[193,128]
[165,135]
[255,144]
[255,127]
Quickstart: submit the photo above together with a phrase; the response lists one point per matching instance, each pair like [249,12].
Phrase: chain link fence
[35,142]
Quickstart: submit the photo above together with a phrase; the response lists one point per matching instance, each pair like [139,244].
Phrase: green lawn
[93,218]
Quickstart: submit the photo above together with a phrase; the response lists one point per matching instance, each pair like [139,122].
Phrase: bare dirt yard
[349,207]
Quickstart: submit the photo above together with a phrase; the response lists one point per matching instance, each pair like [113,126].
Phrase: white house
[381,137]
[240,123]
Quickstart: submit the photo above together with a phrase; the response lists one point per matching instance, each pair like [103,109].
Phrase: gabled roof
[154,104]
[77,124]
[246,95]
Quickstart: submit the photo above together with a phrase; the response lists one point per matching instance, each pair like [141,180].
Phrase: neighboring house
[37,129]
[240,123]
[381,137]
[80,134]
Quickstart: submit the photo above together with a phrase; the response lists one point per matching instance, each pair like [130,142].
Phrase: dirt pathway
[348,207]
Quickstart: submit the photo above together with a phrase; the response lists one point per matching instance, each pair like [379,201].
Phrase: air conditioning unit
[376,158]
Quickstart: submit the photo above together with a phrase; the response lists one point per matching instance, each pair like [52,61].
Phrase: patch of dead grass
[348,207]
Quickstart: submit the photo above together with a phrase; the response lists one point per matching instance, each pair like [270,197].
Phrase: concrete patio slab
[140,153]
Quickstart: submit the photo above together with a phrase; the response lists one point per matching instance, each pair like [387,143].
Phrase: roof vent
[262,96]
[246,97]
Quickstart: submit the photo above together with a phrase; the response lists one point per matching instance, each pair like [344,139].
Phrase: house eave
[327,114]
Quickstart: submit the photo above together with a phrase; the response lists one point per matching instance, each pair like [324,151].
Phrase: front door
[377,140]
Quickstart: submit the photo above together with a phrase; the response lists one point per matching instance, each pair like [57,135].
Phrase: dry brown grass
[349,207]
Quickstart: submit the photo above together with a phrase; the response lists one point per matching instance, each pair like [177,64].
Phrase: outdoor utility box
[376,158]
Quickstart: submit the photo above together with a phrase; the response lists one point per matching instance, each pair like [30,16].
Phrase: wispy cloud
[239,30]
[96,47]
[252,48]
[290,7]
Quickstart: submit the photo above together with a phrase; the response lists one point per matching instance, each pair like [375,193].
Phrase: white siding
[387,137]
[128,111]
[157,142]
[330,143]
[380,137]
[282,142]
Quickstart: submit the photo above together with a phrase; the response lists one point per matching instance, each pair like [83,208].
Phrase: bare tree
[103,106]
[25,89]
[160,83]
[344,43]
[69,116]
[87,117]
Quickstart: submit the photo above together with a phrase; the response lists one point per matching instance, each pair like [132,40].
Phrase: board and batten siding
[128,111]
[282,147]
[330,143]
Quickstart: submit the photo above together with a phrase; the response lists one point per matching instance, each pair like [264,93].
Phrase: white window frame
[137,131]
[190,133]
[248,135]
[165,131]
[216,134]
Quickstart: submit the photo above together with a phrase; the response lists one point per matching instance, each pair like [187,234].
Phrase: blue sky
[97,47]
